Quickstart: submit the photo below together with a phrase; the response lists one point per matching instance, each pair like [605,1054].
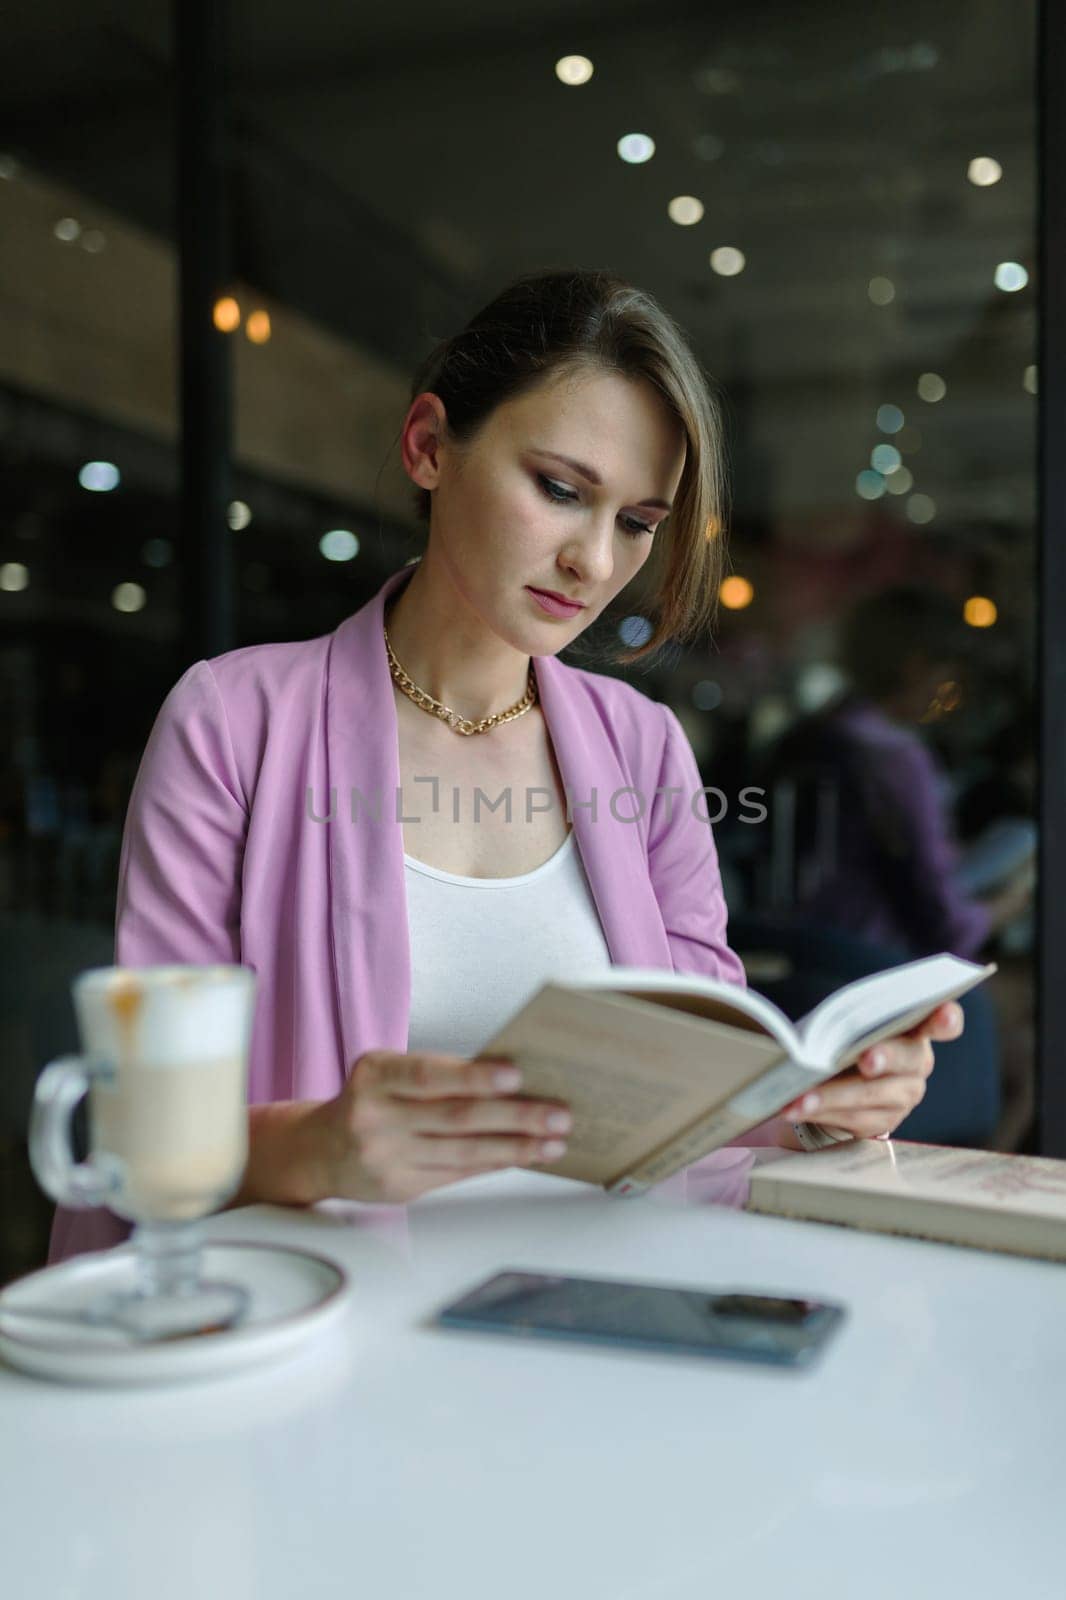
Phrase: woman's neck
[449,652]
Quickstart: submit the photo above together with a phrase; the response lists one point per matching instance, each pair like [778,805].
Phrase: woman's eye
[553,490]
[558,495]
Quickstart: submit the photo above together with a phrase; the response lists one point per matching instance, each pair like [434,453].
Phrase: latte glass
[165,1066]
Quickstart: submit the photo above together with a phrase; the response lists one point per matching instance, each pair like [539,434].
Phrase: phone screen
[732,1323]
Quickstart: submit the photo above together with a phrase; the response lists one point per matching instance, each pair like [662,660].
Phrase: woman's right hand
[407,1123]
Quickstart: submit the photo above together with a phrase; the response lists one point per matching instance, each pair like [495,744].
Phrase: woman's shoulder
[272,668]
[238,695]
[630,716]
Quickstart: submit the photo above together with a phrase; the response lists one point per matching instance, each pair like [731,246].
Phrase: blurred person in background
[893,871]
[878,873]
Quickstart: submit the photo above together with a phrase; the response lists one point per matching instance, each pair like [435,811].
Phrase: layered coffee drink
[170,1115]
[180,1133]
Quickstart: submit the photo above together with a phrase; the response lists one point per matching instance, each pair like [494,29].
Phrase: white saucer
[295,1294]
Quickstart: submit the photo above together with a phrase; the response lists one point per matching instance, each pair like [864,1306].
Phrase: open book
[976,1197]
[660,1068]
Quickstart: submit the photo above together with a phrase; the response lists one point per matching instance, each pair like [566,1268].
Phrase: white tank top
[480,947]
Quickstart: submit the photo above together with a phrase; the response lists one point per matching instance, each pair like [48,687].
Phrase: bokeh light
[14,576]
[921,508]
[340,544]
[99,477]
[257,327]
[573,70]
[900,482]
[727,261]
[635,631]
[636,148]
[128,597]
[736,592]
[685,209]
[1011,276]
[227,314]
[885,458]
[980,612]
[983,171]
[707,695]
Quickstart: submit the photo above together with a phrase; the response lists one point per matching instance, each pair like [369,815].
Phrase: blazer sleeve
[179,889]
[683,863]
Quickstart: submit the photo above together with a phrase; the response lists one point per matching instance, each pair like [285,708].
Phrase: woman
[548,442]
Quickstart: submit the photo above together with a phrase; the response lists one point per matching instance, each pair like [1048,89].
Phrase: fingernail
[558,1122]
[507,1078]
[878,1062]
[810,1102]
[552,1148]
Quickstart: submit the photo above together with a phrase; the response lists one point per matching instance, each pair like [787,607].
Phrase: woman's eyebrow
[593,476]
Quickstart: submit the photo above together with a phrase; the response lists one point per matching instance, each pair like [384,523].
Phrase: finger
[897,1095]
[432,1075]
[946,1022]
[903,1055]
[474,1116]
[865,1124]
[433,1152]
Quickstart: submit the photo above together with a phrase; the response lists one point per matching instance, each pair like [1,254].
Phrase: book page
[705,997]
[633,1073]
[900,997]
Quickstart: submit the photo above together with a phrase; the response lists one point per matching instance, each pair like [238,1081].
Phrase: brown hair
[554,323]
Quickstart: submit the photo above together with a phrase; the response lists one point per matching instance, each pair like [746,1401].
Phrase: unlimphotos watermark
[627,804]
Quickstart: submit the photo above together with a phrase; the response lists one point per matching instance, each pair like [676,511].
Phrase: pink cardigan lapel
[371,949]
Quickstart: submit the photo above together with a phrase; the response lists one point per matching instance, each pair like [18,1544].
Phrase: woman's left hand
[871,1099]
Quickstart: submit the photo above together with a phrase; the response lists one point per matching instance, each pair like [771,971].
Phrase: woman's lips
[554,608]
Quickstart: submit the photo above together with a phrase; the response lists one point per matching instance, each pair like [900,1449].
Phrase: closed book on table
[982,1198]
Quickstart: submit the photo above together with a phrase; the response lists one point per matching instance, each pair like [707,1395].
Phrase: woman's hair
[887,628]
[556,324]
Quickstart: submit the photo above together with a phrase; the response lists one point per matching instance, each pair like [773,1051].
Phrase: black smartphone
[734,1324]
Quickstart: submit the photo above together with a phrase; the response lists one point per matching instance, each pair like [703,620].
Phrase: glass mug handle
[80,1184]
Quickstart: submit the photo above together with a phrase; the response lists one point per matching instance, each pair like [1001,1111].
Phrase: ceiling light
[340,544]
[727,261]
[685,209]
[931,387]
[128,597]
[99,476]
[636,148]
[573,70]
[1011,276]
[983,171]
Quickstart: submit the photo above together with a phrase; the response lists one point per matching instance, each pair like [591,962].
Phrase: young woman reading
[408,825]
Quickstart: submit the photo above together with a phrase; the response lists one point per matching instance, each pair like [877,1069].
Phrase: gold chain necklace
[459,724]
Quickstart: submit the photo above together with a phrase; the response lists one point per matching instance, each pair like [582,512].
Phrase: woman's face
[510,515]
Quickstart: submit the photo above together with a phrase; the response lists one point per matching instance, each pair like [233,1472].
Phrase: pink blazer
[224,858]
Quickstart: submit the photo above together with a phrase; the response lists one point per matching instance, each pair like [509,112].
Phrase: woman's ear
[420,440]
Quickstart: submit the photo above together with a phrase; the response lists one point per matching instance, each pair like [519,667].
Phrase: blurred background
[838,204]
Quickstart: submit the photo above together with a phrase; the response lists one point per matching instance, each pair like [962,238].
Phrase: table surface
[393,1460]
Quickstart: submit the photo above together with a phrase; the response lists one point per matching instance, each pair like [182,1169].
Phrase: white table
[924,1456]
